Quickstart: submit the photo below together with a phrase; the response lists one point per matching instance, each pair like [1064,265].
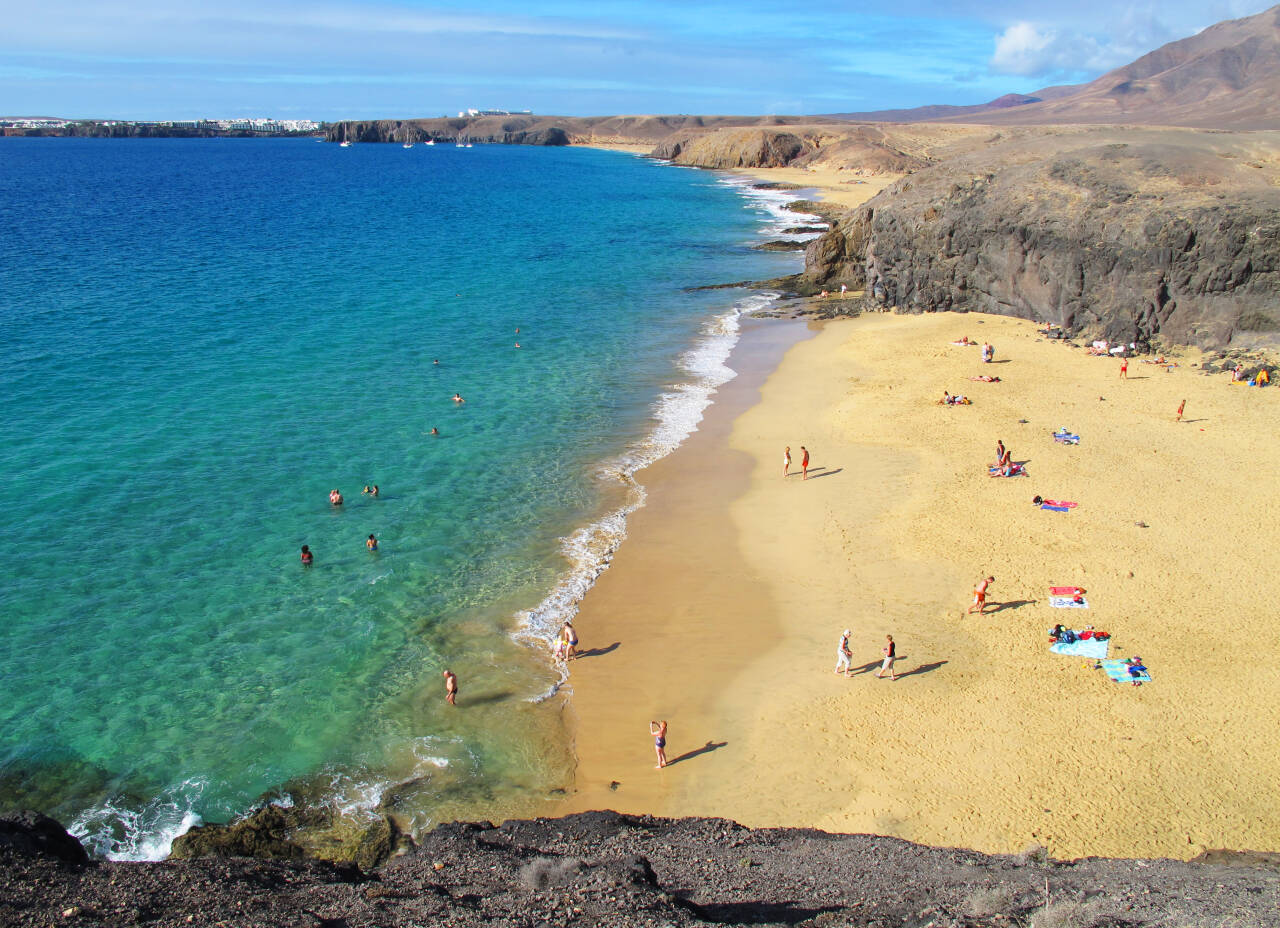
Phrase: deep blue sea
[199,339]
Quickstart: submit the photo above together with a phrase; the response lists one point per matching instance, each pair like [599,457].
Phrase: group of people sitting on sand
[1260,379]
[956,399]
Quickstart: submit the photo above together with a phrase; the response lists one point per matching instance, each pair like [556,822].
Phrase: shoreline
[726,603]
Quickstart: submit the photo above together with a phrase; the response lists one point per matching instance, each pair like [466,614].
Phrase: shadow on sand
[705,749]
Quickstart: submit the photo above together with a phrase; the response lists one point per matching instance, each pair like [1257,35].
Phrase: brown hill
[1227,77]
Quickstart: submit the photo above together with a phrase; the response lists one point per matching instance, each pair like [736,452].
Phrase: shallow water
[202,338]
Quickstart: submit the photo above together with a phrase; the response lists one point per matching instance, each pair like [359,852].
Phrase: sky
[366,59]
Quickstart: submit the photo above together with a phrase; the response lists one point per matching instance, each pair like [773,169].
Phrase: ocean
[202,338]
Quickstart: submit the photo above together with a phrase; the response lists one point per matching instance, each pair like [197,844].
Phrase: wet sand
[722,610]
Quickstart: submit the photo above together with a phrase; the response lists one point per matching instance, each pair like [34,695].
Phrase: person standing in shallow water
[450,687]
[306,556]
[659,731]
[372,543]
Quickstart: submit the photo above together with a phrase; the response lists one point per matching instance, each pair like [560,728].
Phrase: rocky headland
[603,868]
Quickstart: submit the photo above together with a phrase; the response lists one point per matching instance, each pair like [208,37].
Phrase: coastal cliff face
[1130,236]
[603,868]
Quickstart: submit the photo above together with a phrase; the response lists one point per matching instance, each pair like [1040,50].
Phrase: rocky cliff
[1127,234]
[547,130]
[602,868]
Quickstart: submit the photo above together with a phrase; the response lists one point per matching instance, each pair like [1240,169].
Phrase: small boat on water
[346,143]
[429,142]
[407,145]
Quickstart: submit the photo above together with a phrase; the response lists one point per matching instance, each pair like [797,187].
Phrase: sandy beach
[722,610]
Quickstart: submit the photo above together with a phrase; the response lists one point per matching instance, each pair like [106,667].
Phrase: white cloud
[1027,50]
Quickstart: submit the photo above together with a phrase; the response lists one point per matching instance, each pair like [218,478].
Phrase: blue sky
[348,59]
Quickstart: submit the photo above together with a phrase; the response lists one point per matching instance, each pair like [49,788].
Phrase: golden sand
[837,184]
[728,598]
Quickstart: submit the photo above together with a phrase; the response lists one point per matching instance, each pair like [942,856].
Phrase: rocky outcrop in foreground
[602,868]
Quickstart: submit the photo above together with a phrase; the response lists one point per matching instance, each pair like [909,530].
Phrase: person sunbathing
[986,378]
[964,340]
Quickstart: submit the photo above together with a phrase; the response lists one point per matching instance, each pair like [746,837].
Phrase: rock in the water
[263,834]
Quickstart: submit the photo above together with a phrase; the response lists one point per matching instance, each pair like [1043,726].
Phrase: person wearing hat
[843,655]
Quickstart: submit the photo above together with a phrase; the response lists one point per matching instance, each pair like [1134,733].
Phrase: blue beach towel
[1068,602]
[1085,647]
[1066,438]
[1118,670]
[1055,508]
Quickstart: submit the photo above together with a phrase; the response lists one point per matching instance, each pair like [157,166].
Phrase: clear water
[199,339]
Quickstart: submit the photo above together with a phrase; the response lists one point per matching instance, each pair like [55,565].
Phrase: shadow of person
[705,749]
[923,668]
[865,668]
[825,472]
[993,607]
[488,698]
[598,652]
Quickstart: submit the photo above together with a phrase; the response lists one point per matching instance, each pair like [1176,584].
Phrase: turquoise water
[202,338]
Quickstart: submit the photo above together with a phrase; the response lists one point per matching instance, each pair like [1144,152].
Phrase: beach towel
[1055,508]
[1017,471]
[1085,647]
[1118,670]
[1066,438]
[1063,590]
[1068,602]
[1065,504]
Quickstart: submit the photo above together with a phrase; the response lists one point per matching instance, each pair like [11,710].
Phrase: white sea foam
[774,203]
[117,832]
[676,415]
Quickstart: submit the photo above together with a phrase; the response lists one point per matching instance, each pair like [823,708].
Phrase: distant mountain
[1226,77]
[943,111]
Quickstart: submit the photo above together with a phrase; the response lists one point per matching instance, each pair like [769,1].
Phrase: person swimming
[335,498]
[457,398]
[372,543]
[435,431]
[306,556]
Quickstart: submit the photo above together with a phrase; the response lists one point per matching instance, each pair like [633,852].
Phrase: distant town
[45,125]
[184,128]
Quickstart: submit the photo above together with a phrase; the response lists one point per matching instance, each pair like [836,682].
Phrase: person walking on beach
[570,636]
[450,687]
[844,656]
[1124,368]
[999,452]
[804,462]
[306,556]
[1181,406]
[890,652]
[786,461]
[659,731]
[980,596]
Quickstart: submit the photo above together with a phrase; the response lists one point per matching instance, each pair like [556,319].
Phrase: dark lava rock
[31,833]
[1123,241]
[781,245]
[604,868]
